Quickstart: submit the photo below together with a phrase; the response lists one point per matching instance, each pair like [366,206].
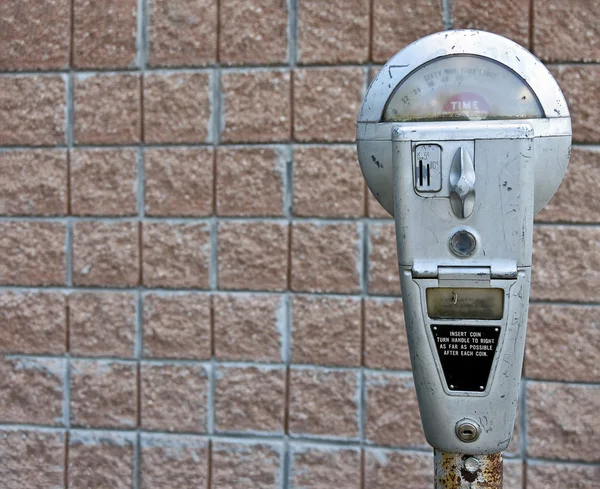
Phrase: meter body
[463,136]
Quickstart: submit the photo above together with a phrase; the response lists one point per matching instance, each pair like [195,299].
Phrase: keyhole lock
[467,430]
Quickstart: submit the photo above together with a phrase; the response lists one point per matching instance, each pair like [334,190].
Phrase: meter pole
[459,471]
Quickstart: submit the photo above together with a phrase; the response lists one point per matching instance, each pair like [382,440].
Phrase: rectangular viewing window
[465,303]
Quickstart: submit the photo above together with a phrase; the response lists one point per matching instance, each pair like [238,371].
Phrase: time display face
[462,87]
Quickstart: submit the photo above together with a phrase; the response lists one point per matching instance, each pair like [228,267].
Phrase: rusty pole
[460,471]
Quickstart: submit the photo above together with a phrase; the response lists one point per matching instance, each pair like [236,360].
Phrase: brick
[183,33]
[177,326]
[324,403]
[375,209]
[253,32]
[32,459]
[562,343]
[386,345]
[174,397]
[249,328]
[384,277]
[103,182]
[562,421]
[513,475]
[176,255]
[106,254]
[177,108]
[244,465]
[573,202]
[566,32]
[508,18]
[559,476]
[253,255]
[326,103]
[325,258]
[333,32]
[580,84]
[102,324]
[33,183]
[32,253]
[107,109]
[388,395]
[103,394]
[249,399]
[34,35]
[394,28]
[326,331]
[383,469]
[101,459]
[324,467]
[104,34]
[173,461]
[31,391]
[178,182]
[565,264]
[256,106]
[33,323]
[328,182]
[259,169]
[32,110]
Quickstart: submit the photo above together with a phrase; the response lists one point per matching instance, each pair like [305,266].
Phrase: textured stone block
[176,255]
[33,183]
[250,181]
[256,106]
[324,403]
[559,476]
[326,331]
[384,277]
[103,394]
[253,255]
[103,182]
[512,474]
[326,103]
[101,459]
[106,254]
[328,182]
[177,108]
[249,399]
[178,181]
[393,416]
[562,421]
[573,202]
[325,258]
[581,85]
[104,33]
[249,327]
[324,468]
[566,31]
[565,265]
[31,391]
[173,461]
[32,253]
[333,32]
[107,109]
[183,33]
[32,110]
[177,326]
[246,465]
[383,469]
[102,324]
[395,28]
[253,32]
[386,345]
[375,209]
[33,323]
[34,35]
[174,397]
[32,459]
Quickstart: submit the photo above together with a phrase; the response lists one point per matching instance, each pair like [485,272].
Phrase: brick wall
[189,300]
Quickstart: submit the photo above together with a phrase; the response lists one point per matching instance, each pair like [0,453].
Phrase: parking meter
[463,136]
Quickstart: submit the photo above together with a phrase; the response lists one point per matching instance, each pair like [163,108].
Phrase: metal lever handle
[462,184]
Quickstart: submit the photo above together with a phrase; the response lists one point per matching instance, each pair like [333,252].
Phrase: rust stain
[453,472]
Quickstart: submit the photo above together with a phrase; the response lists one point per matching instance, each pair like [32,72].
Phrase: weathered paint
[461,471]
